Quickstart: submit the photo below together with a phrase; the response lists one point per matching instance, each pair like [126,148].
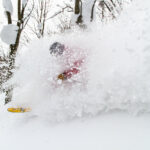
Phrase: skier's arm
[67,74]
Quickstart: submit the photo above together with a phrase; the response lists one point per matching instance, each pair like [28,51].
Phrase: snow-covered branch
[7,4]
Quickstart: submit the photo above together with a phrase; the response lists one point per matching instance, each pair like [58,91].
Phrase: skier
[72,60]
[58,49]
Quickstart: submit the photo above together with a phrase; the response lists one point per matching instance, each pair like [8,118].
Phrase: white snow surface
[108,131]
[24,2]
[9,34]
[89,112]
[7,4]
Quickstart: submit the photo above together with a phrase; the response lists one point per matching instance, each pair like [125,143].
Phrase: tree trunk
[92,11]
[77,6]
[14,47]
[78,11]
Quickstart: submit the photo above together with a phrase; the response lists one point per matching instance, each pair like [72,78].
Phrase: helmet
[57,48]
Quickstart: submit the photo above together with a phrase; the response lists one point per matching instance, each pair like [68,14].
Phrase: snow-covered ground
[107,131]
[92,111]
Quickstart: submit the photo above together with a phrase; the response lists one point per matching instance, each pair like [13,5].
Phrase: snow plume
[7,4]
[115,74]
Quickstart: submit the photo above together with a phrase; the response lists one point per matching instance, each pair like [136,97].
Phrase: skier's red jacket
[73,70]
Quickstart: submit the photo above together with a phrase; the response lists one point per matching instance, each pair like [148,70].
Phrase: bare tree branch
[92,11]
[61,11]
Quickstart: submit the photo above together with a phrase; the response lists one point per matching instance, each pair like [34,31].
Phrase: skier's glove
[62,76]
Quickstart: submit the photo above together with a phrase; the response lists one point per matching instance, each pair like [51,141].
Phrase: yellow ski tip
[19,110]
